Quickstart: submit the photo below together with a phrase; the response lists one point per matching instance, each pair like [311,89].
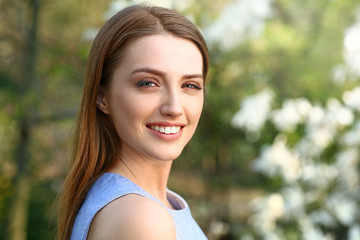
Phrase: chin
[166,153]
[168,157]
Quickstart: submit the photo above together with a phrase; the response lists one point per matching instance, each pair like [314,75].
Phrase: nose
[172,105]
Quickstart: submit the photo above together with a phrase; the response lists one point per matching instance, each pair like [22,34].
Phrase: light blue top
[111,186]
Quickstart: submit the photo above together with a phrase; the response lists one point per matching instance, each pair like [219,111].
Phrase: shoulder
[132,217]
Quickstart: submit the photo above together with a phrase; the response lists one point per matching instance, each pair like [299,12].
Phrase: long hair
[97,145]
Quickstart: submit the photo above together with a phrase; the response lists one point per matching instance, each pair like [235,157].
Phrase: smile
[165,130]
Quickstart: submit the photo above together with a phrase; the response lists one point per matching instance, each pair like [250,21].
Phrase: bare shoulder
[132,217]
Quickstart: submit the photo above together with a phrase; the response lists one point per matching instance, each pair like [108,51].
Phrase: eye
[146,83]
[192,86]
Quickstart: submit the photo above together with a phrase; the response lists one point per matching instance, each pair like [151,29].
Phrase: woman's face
[155,97]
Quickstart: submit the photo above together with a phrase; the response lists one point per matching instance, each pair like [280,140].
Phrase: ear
[101,102]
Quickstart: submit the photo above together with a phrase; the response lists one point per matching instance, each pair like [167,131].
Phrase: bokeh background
[276,155]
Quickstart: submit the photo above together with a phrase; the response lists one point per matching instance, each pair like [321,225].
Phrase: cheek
[128,109]
[195,109]
[199,111]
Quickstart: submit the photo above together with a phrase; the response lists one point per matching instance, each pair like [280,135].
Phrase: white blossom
[294,201]
[219,228]
[275,204]
[322,217]
[319,175]
[307,149]
[321,126]
[316,115]
[322,137]
[273,236]
[344,208]
[343,115]
[277,159]
[90,34]
[320,169]
[254,111]
[351,51]
[352,98]
[352,137]
[312,232]
[299,169]
[114,7]
[270,208]
[250,17]
[340,74]
[346,163]
[117,5]
[354,232]
[292,113]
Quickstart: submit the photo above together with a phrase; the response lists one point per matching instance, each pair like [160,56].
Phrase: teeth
[166,130]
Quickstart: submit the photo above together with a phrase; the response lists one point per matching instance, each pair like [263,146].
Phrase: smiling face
[155,96]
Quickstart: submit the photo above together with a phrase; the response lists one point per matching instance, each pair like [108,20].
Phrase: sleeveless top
[111,186]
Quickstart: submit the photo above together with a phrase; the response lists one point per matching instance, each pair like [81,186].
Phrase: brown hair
[97,144]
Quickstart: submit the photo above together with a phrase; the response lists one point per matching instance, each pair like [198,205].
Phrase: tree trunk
[19,217]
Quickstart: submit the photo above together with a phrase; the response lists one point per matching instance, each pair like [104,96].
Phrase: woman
[142,100]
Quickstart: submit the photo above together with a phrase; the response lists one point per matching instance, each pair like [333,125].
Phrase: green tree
[43,55]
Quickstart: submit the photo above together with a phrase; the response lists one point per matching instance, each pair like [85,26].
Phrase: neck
[150,174]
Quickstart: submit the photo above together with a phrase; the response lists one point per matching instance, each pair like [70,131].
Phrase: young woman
[142,101]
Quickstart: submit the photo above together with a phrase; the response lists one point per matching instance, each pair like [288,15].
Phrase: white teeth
[166,130]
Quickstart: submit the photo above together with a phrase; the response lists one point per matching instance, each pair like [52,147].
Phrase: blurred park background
[276,154]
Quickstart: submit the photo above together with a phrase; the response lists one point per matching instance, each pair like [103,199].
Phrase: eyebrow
[163,74]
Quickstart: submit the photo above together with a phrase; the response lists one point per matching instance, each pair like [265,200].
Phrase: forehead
[163,50]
